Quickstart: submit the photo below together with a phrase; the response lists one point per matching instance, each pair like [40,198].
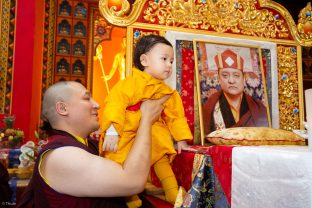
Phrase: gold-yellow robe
[132,90]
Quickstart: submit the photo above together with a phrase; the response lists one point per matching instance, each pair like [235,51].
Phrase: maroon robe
[41,195]
[252,112]
[5,190]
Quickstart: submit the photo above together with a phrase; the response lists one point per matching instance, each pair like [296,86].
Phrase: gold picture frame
[213,96]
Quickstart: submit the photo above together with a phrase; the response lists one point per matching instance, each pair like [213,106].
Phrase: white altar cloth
[272,177]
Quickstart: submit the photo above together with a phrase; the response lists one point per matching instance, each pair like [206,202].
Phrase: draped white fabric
[272,177]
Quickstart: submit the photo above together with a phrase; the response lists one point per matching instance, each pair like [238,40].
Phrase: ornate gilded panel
[289,93]
[245,17]
[7,25]
[305,23]
[242,17]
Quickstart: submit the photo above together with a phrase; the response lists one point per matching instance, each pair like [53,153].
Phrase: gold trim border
[90,48]
[48,64]
[199,97]
[4,31]
[7,42]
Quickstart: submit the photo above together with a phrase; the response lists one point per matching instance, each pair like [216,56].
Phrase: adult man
[231,107]
[68,172]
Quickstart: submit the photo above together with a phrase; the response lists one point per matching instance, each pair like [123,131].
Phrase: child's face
[158,61]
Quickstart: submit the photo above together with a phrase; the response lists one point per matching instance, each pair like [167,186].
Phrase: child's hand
[182,145]
[111,143]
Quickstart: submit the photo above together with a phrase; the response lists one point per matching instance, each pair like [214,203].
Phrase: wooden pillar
[26,93]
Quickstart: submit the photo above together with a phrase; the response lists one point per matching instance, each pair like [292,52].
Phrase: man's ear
[61,108]
[143,60]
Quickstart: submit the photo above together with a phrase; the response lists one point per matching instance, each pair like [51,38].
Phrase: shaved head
[58,92]
[68,106]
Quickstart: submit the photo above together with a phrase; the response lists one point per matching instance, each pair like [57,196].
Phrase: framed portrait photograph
[231,86]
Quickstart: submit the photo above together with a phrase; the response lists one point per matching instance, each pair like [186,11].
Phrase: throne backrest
[263,24]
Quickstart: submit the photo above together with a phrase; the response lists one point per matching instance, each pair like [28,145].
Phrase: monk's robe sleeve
[175,118]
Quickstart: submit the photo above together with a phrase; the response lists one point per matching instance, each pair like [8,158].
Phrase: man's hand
[111,143]
[151,109]
[182,145]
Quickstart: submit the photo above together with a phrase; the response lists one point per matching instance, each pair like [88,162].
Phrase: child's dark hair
[144,45]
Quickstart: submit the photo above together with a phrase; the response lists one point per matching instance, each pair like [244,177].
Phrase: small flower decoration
[100,31]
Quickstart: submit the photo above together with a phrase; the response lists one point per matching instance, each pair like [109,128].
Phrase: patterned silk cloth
[206,175]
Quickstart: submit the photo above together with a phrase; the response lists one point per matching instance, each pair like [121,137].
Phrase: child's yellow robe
[133,90]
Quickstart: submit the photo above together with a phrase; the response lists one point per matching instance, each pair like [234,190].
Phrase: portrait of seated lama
[231,106]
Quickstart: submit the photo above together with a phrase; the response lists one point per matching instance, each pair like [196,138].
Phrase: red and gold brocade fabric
[185,81]
[187,85]
[222,165]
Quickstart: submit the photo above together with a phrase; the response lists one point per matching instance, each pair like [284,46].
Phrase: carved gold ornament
[120,16]
[288,87]
[305,23]
[222,16]
[234,16]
